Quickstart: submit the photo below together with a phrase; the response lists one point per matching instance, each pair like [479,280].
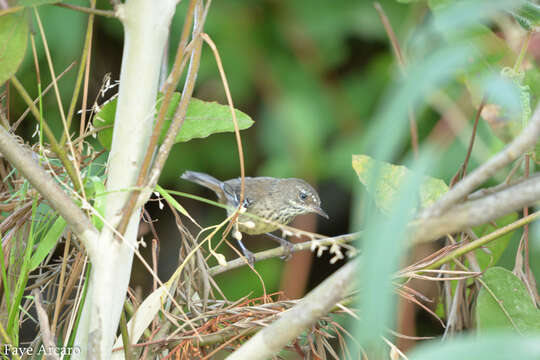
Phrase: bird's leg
[287,245]
[248,254]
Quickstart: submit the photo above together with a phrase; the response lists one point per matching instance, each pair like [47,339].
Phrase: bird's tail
[205,180]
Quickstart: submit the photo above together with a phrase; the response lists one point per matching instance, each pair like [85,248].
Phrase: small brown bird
[276,200]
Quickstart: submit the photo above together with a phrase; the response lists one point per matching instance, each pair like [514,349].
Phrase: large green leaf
[203,118]
[492,252]
[96,190]
[37,2]
[503,346]
[505,304]
[48,242]
[13,39]
[528,16]
[390,179]
[461,22]
[532,81]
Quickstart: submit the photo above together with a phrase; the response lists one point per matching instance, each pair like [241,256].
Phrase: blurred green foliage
[321,83]
[202,119]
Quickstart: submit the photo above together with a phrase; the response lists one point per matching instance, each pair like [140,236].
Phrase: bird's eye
[303,196]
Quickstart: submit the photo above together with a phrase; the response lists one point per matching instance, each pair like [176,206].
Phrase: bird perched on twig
[277,200]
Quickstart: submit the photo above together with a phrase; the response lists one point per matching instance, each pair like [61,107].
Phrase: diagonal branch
[170,85]
[476,212]
[138,197]
[282,251]
[22,159]
[55,146]
[269,341]
[524,142]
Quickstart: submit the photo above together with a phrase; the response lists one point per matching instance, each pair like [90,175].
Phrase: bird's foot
[287,246]
[248,254]
[250,257]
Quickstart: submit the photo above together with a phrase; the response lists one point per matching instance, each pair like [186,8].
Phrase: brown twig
[524,142]
[478,243]
[281,251]
[317,303]
[225,83]
[84,69]
[91,11]
[178,119]
[473,137]
[78,184]
[401,62]
[59,294]
[55,146]
[43,93]
[48,339]
[49,189]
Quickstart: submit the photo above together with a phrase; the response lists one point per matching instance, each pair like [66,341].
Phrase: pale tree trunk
[146,25]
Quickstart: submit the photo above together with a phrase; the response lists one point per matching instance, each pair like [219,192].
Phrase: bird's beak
[318,210]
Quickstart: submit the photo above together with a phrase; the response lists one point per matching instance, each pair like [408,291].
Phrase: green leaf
[98,192]
[13,39]
[528,16]
[507,305]
[203,118]
[532,80]
[488,256]
[503,346]
[48,242]
[496,247]
[37,2]
[174,203]
[390,179]
[462,22]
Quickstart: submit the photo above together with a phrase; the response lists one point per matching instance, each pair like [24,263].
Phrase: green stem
[125,336]
[55,146]
[80,74]
[13,323]
[7,286]
[483,240]
[92,11]
[79,310]
[522,52]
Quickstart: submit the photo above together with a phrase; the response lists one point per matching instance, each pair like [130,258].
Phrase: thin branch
[11,9]
[59,292]
[524,142]
[171,83]
[22,159]
[55,147]
[476,244]
[79,183]
[473,137]
[270,340]
[281,251]
[180,114]
[106,13]
[225,83]
[401,62]
[43,93]
[83,69]
[476,212]
[44,328]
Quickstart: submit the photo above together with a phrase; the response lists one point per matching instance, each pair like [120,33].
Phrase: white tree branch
[475,212]
[269,341]
[521,144]
[146,25]
[22,159]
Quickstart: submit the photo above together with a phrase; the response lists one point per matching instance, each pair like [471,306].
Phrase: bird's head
[303,198]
